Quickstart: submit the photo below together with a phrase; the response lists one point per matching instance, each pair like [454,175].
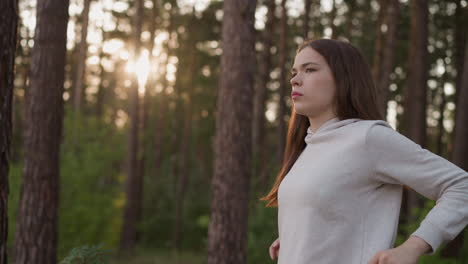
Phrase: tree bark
[37,220]
[259,146]
[283,51]
[185,150]
[350,15]
[81,63]
[332,20]
[162,103]
[460,150]
[99,107]
[184,144]
[379,41]
[8,37]
[134,185]
[416,90]
[385,50]
[227,231]
[306,19]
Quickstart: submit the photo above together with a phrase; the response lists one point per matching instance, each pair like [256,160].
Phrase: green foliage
[13,201]
[262,232]
[86,255]
[420,214]
[159,256]
[92,155]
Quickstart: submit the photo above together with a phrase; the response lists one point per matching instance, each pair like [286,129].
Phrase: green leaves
[86,255]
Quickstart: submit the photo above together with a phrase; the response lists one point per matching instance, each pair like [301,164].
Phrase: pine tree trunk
[460,150]
[134,185]
[442,103]
[332,20]
[227,231]
[283,51]
[185,150]
[460,20]
[8,37]
[37,220]
[20,101]
[162,104]
[350,15]
[306,19]
[265,66]
[81,63]
[379,41]
[102,76]
[416,90]
[384,61]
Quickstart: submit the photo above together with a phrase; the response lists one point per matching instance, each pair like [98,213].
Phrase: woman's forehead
[307,55]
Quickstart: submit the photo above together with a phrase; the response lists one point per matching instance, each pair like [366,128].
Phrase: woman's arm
[398,160]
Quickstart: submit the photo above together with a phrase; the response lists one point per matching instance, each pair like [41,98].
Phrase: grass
[146,256]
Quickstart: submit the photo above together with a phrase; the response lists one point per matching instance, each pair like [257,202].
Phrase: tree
[306,26]
[414,124]
[283,51]
[185,145]
[78,87]
[162,105]
[8,32]
[384,56]
[460,150]
[265,65]
[134,184]
[333,26]
[227,230]
[36,231]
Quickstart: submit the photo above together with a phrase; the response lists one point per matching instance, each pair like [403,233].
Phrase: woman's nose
[295,80]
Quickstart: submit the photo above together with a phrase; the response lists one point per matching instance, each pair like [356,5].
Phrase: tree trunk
[283,51]
[442,103]
[8,33]
[102,76]
[461,35]
[227,231]
[151,81]
[134,186]
[19,101]
[350,15]
[332,20]
[416,90]
[378,46]
[37,221]
[259,146]
[185,150]
[385,51]
[81,63]
[460,20]
[162,103]
[306,19]
[460,150]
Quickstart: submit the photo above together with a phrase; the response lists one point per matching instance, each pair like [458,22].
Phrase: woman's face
[312,77]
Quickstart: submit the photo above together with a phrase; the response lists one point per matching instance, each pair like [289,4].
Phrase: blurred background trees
[134,165]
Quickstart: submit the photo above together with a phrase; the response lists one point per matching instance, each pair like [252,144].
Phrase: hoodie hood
[329,125]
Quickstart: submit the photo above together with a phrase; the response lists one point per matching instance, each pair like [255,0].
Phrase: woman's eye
[292,75]
[310,70]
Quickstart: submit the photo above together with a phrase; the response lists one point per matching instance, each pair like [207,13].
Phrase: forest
[146,131]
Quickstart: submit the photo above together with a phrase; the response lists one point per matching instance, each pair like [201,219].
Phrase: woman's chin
[298,108]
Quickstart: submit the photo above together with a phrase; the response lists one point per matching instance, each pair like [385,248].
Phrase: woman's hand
[274,249]
[407,253]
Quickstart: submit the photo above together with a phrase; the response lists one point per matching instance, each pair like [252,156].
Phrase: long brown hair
[356,97]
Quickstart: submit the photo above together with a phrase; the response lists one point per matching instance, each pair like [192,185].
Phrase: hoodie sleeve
[398,160]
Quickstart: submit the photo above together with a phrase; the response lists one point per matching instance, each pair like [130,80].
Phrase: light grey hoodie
[340,202]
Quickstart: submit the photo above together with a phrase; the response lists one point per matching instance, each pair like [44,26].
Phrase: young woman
[339,190]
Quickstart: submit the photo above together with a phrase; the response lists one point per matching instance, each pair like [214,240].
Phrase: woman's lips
[295,94]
